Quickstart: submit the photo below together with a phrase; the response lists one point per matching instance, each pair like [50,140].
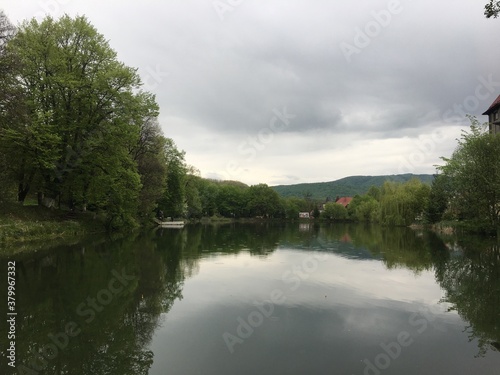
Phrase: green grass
[32,223]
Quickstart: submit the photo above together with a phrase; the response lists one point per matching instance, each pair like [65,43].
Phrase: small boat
[169,224]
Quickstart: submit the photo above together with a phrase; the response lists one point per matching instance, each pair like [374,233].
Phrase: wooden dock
[169,224]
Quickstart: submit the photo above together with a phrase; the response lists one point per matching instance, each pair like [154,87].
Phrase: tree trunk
[22,192]
[39,196]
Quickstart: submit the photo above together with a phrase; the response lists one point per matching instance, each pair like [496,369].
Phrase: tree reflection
[471,279]
[116,340]
[467,268]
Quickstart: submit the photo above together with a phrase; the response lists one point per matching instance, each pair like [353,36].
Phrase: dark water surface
[257,299]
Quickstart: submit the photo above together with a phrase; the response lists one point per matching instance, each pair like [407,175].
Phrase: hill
[347,186]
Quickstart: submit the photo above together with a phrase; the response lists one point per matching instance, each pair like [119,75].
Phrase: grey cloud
[226,78]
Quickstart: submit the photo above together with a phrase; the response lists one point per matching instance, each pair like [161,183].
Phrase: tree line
[465,191]
[392,204]
[78,132]
[76,128]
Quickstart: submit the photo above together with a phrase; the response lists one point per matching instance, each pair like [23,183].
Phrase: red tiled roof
[344,201]
[493,105]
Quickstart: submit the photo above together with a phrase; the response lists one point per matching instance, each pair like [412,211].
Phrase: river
[256,299]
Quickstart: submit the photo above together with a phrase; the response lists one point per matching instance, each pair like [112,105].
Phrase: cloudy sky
[289,91]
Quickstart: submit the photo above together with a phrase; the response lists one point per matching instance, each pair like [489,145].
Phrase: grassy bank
[33,223]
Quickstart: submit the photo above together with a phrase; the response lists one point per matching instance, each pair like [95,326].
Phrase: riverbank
[19,224]
[462,227]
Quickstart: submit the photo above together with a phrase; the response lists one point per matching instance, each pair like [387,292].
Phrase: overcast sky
[283,92]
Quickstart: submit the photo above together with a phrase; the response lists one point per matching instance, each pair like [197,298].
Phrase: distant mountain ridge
[347,186]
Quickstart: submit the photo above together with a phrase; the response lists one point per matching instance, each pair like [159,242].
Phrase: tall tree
[439,198]
[10,102]
[403,204]
[86,128]
[173,202]
[263,201]
[149,152]
[474,173]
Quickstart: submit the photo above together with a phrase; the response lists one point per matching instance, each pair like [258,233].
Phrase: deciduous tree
[474,173]
[334,211]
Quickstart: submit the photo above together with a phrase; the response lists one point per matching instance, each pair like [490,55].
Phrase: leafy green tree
[334,211]
[474,173]
[403,204]
[374,192]
[85,134]
[11,105]
[363,208]
[291,207]
[439,198]
[193,198]
[316,213]
[301,203]
[263,201]
[209,191]
[149,154]
[307,196]
[77,99]
[173,201]
[230,200]
[80,115]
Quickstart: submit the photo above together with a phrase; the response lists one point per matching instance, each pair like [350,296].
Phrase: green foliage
[438,198]
[193,199]
[334,211]
[261,200]
[345,187]
[75,127]
[473,172]
[470,283]
[291,208]
[364,208]
[403,204]
[374,192]
[230,200]
[209,191]
[173,201]
[316,212]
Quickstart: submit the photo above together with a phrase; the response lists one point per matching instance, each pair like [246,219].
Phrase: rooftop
[493,106]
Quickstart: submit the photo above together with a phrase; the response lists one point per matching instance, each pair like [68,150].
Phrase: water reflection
[342,308]
[471,279]
[112,322]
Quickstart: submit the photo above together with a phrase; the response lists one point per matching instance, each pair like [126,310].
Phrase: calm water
[258,299]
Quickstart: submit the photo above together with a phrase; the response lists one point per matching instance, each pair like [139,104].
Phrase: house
[493,114]
[304,215]
[344,201]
